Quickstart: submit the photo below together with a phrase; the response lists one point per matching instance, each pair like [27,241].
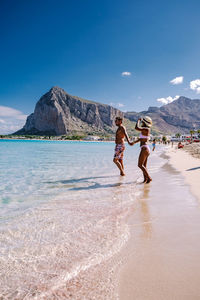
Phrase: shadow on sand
[97,185]
[94,185]
[69,181]
[193,169]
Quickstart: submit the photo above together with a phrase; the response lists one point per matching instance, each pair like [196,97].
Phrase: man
[121,134]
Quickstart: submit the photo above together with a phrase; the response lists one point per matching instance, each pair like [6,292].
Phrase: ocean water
[63,217]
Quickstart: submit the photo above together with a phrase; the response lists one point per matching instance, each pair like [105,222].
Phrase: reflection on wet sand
[145,214]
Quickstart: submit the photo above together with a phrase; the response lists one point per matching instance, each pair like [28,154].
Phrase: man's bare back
[120,135]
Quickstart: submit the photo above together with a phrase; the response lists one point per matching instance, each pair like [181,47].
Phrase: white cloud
[120,104]
[195,85]
[9,128]
[177,80]
[6,111]
[11,120]
[168,99]
[117,105]
[126,74]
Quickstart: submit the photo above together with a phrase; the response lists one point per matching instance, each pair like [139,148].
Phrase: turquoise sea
[33,172]
[63,216]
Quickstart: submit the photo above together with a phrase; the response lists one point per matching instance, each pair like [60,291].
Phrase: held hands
[131,143]
[134,142]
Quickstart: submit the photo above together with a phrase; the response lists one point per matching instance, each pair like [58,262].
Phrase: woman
[144,129]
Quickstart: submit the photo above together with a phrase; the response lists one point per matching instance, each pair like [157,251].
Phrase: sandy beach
[187,161]
[162,257]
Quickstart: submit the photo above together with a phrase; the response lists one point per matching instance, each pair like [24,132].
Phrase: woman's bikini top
[144,136]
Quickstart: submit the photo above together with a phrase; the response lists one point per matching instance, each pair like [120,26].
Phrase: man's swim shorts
[119,151]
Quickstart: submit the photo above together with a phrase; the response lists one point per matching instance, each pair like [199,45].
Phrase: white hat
[147,121]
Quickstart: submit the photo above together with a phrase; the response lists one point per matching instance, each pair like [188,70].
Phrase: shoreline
[52,140]
[161,259]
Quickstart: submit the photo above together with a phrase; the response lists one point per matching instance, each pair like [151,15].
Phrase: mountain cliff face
[58,113]
[181,116]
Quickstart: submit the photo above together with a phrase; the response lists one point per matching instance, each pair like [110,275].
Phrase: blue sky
[85,46]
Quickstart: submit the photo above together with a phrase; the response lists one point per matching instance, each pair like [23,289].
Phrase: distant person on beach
[154,144]
[121,134]
[180,145]
[143,125]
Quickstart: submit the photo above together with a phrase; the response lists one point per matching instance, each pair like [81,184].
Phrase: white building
[184,137]
[92,138]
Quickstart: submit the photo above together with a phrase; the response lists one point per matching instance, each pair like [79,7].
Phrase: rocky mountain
[181,115]
[58,113]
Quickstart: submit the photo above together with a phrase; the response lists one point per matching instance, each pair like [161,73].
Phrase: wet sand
[161,260]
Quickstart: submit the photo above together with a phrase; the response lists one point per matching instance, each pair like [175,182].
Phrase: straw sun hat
[147,121]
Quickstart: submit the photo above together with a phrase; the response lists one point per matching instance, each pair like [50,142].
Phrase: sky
[129,54]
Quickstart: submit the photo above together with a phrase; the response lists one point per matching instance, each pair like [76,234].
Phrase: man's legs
[119,165]
[118,158]
[121,162]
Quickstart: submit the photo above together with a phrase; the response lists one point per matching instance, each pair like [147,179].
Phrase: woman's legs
[142,164]
[145,165]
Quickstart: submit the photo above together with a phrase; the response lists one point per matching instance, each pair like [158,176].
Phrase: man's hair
[119,118]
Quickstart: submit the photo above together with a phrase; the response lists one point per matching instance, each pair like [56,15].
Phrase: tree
[192,132]
[164,139]
[178,135]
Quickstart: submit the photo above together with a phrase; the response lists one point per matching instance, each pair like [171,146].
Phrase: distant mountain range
[58,113]
[181,116]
